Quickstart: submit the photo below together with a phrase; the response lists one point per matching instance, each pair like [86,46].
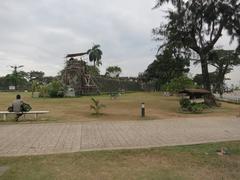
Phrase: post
[143,109]
[36,116]
[5,117]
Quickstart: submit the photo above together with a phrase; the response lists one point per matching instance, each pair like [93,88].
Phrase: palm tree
[95,55]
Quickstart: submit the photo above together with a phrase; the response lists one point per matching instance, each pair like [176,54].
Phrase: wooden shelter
[195,95]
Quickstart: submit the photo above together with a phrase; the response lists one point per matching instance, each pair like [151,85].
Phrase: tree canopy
[113,71]
[179,83]
[165,67]
[36,76]
[198,25]
[223,61]
[95,55]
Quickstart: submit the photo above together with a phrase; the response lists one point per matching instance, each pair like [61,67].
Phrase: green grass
[125,107]
[181,162]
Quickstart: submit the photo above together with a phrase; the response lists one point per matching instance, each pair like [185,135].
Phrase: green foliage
[199,80]
[186,105]
[113,71]
[36,76]
[55,89]
[179,83]
[93,70]
[43,89]
[224,62]
[114,85]
[96,106]
[18,79]
[197,107]
[95,55]
[198,25]
[166,67]
[35,86]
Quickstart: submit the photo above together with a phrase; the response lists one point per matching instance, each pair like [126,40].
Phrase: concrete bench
[36,113]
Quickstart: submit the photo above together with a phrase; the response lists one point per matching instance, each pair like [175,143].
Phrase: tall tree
[199,80]
[167,66]
[36,76]
[223,61]
[198,25]
[19,80]
[95,55]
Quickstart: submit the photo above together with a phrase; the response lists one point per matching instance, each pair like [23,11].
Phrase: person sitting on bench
[17,106]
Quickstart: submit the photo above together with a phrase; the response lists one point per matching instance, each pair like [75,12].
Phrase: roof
[75,55]
[195,91]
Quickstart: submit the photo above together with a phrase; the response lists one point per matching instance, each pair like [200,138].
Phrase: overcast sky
[38,34]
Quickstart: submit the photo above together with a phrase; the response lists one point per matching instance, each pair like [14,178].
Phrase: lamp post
[16,74]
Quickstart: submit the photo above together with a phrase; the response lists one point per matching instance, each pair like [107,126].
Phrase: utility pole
[15,73]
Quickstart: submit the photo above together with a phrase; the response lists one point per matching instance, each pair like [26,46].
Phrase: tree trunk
[205,74]
[210,99]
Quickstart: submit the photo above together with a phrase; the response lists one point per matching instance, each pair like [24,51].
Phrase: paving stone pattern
[52,138]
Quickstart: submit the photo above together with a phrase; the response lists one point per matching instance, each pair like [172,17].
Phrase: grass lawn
[125,107]
[181,162]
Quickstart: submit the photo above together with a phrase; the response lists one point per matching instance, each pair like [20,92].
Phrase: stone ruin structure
[76,78]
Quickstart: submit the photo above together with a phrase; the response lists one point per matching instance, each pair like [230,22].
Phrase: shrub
[35,87]
[55,89]
[186,105]
[96,106]
[43,89]
[196,107]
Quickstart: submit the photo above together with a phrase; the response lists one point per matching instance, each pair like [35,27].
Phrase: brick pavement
[50,138]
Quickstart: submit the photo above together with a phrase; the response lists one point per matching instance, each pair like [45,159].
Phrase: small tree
[96,106]
[113,71]
[35,87]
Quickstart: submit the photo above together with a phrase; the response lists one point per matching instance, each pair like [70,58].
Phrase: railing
[228,98]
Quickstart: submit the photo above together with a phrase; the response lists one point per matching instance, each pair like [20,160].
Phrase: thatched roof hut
[195,93]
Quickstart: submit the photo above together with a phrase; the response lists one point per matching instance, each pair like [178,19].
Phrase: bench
[36,113]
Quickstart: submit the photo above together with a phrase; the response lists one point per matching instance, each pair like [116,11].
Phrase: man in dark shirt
[17,104]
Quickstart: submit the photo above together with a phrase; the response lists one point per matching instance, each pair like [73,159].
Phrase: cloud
[40,33]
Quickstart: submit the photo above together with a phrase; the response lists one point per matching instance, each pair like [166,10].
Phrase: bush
[43,89]
[55,89]
[96,106]
[186,105]
[196,107]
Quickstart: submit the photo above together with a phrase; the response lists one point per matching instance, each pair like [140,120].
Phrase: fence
[113,84]
[229,97]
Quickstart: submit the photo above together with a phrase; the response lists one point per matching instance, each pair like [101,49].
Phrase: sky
[39,34]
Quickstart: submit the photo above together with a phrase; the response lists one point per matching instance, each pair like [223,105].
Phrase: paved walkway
[31,139]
